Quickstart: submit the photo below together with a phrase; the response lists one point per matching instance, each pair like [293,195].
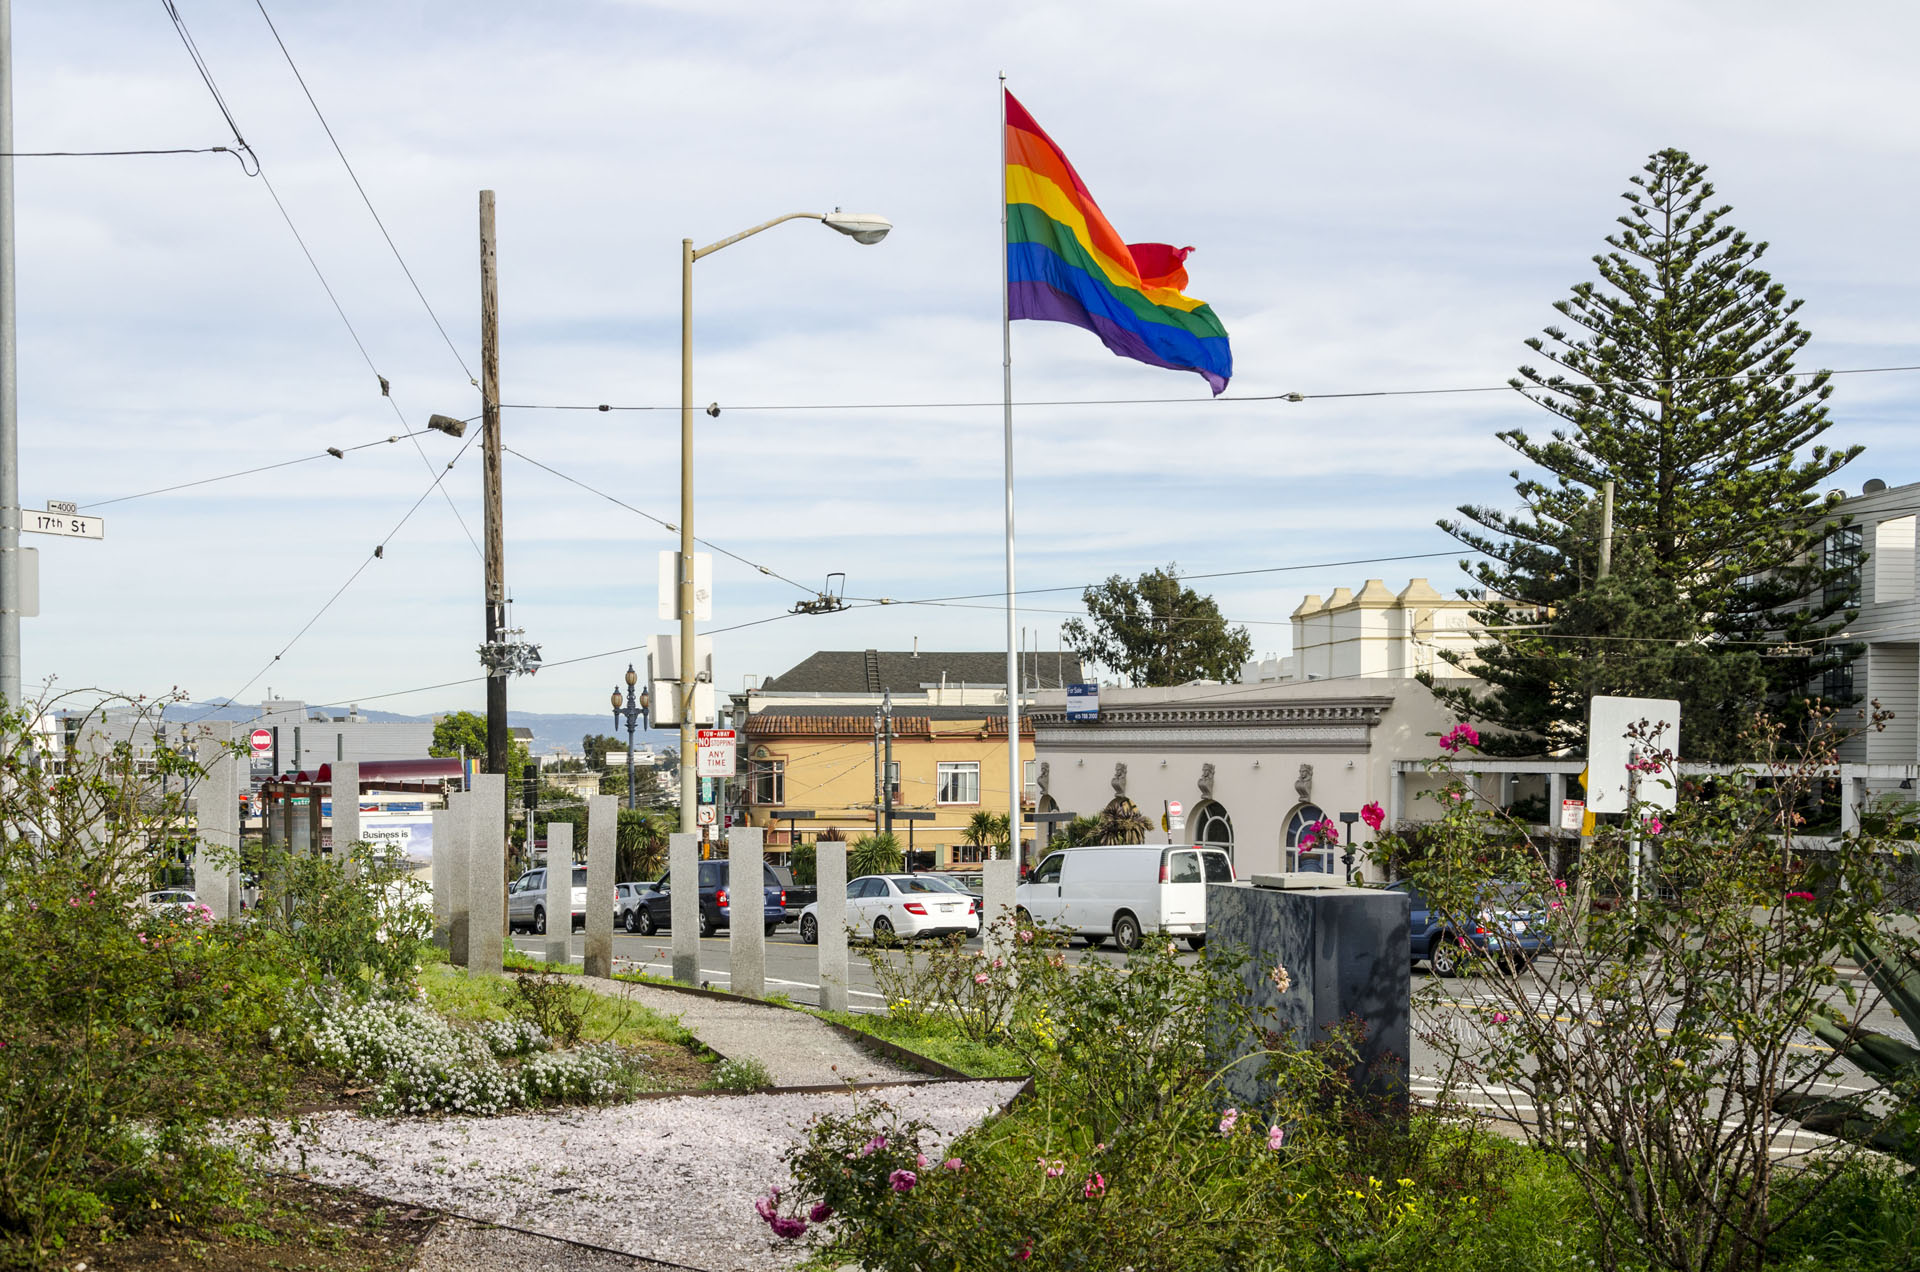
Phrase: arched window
[1312,861]
[1212,827]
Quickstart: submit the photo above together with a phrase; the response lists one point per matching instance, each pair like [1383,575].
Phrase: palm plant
[1886,1120]
[1122,822]
[874,854]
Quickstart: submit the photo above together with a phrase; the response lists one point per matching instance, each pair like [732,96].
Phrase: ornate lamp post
[1346,858]
[634,712]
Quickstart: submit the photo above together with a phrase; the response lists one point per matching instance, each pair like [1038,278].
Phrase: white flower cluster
[423,1064]
[508,1038]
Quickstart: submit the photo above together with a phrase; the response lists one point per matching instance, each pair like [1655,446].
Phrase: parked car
[911,905]
[169,901]
[799,895]
[1504,925]
[626,896]
[1125,891]
[654,909]
[527,901]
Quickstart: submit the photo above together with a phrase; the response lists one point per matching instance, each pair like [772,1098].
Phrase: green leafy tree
[984,829]
[1675,380]
[1155,632]
[595,747]
[465,732]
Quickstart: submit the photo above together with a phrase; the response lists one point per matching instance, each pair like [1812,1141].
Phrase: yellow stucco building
[814,739]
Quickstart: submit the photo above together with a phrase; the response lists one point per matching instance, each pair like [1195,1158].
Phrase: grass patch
[682,1061]
[935,1041]
[514,961]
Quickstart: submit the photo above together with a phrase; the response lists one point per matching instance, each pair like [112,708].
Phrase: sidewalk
[797,1049]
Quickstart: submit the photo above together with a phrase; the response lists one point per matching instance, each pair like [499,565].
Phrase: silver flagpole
[1006,378]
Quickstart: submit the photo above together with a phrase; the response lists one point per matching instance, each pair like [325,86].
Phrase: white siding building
[1888,672]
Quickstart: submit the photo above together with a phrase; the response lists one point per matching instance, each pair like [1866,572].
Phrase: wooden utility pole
[1606,529]
[490,443]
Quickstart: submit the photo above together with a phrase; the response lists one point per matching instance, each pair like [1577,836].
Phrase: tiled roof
[872,670]
[768,724]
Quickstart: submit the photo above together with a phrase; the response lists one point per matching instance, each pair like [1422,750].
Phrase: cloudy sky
[1382,196]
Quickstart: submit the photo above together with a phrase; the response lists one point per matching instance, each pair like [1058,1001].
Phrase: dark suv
[1505,926]
[654,910]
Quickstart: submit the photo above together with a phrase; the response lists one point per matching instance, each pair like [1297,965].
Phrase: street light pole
[633,712]
[861,228]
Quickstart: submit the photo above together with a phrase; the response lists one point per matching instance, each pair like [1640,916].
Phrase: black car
[654,909]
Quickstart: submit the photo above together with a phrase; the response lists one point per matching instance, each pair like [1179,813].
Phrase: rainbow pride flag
[1065,263]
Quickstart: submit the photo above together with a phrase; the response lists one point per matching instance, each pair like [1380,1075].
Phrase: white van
[1125,891]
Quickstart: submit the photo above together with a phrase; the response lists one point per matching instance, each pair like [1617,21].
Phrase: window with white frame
[959,782]
[769,782]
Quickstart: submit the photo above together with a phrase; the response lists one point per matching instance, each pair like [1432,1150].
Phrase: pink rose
[787,1229]
[1458,736]
[873,1146]
[953,1163]
[1374,815]
[1227,1121]
[981,978]
[820,1213]
[1276,1136]
[1501,1018]
[902,1180]
[1095,1185]
[1799,896]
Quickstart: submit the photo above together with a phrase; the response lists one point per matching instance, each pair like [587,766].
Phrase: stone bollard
[440,877]
[216,852]
[746,926]
[999,875]
[559,899]
[1345,951]
[603,818]
[459,879]
[830,916]
[683,905]
[487,873]
[346,814]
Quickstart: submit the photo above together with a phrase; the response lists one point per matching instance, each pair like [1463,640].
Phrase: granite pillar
[346,814]
[830,873]
[216,852]
[441,877]
[1344,951]
[746,928]
[603,814]
[487,873]
[683,904]
[1000,875]
[559,899]
[459,878]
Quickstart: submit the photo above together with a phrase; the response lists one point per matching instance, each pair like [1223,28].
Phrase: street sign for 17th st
[63,519]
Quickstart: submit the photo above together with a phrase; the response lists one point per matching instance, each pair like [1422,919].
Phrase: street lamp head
[646,701]
[861,227]
[616,699]
[633,677]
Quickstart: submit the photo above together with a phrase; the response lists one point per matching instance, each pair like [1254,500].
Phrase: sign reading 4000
[63,518]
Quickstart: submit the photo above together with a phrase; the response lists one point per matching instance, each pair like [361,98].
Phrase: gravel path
[671,1179]
[796,1048]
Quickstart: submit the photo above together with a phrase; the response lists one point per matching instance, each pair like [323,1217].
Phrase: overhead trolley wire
[378,553]
[259,170]
[659,521]
[330,453]
[371,211]
[1550,386]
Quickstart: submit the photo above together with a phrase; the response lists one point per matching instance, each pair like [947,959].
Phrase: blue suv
[1499,928]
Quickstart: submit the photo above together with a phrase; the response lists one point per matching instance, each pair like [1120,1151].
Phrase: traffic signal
[530,787]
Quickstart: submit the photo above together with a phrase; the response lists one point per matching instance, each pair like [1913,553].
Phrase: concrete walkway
[797,1049]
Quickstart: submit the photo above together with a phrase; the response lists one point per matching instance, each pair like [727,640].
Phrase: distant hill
[549,730]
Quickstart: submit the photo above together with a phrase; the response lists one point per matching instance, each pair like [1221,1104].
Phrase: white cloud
[1383,196]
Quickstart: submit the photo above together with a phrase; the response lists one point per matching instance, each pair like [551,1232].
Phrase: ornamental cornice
[1059,739]
[1365,712]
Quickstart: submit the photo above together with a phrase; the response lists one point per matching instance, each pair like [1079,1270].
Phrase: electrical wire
[378,553]
[1292,396]
[108,154]
[660,521]
[391,245]
[245,472]
[259,170]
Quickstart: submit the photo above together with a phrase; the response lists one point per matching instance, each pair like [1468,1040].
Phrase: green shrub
[551,1005]
[742,1075]
[874,854]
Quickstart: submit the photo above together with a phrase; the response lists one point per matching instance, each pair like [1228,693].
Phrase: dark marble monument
[1345,952]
